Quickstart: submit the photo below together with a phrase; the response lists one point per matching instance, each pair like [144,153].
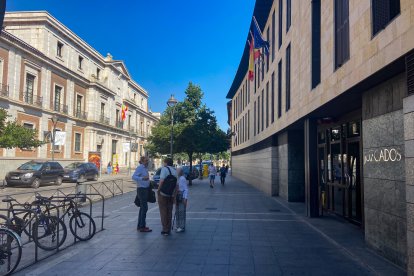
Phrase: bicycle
[48,232]
[10,251]
[78,220]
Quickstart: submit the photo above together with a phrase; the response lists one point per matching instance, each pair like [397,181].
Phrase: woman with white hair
[181,201]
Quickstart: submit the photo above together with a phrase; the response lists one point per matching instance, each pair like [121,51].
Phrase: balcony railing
[104,120]
[119,124]
[81,114]
[32,99]
[61,108]
[4,90]
[131,129]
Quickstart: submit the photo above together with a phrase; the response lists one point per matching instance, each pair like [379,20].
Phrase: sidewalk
[231,230]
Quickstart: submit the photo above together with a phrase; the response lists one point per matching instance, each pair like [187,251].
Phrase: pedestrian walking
[212,173]
[181,201]
[141,177]
[109,168]
[223,172]
[116,168]
[167,190]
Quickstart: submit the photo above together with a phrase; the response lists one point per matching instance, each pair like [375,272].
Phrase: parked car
[186,171]
[155,181]
[80,172]
[34,173]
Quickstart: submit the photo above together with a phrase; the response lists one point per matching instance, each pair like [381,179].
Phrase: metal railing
[4,90]
[31,99]
[86,195]
[81,114]
[104,120]
[119,124]
[61,108]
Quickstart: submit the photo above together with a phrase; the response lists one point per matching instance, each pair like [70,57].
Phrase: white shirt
[182,186]
[212,170]
[164,172]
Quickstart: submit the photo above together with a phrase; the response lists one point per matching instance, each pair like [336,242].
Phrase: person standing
[141,177]
[168,180]
[223,172]
[181,201]
[212,174]
[109,168]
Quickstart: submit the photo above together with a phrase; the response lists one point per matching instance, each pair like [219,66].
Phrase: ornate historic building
[46,70]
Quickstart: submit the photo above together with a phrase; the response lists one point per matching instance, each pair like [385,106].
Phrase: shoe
[179,230]
[165,233]
[145,230]
[211,186]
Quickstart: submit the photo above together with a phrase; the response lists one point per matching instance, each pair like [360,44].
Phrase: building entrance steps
[231,230]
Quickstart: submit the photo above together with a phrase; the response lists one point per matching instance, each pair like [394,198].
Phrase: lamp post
[172,102]
[54,119]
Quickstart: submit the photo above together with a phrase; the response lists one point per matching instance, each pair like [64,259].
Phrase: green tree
[195,128]
[13,135]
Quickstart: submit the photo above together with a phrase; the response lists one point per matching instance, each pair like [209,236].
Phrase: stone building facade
[328,118]
[47,70]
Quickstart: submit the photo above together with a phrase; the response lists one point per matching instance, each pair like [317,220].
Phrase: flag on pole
[259,41]
[124,112]
[251,60]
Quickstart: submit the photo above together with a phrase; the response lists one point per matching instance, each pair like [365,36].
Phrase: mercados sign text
[383,155]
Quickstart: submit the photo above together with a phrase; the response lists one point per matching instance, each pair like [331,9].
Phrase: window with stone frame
[78,142]
[29,91]
[59,49]
[98,73]
[57,98]
[383,12]
[79,104]
[80,63]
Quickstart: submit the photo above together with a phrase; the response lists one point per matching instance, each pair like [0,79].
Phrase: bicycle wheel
[82,226]
[45,232]
[10,251]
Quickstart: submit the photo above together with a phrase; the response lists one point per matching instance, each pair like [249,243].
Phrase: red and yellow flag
[124,112]
[251,60]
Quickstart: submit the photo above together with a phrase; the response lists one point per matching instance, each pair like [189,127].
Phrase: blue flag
[259,41]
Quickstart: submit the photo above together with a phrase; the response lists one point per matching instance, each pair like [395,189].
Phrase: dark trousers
[222,178]
[166,207]
[143,198]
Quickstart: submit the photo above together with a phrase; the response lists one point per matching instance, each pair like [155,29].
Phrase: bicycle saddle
[8,199]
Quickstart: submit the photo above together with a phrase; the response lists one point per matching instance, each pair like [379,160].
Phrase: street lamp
[172,102]
[54,119]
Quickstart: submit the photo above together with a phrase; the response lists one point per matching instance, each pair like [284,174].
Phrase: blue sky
[165,44]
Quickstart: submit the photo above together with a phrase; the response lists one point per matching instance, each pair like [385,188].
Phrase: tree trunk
[190,157]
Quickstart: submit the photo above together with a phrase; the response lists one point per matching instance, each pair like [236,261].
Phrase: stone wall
[291,166]
[258,169]
[409,174]
[384,170]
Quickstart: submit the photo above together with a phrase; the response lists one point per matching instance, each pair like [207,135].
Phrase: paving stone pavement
[231,230]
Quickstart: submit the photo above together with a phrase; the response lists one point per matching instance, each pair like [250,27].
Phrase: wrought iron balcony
[61,108]
[81,114]
[32,99]
[131,129]
[104,120]
[4,90]
[119,124]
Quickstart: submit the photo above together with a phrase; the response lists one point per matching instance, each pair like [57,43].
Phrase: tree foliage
[13,135]
[195,128]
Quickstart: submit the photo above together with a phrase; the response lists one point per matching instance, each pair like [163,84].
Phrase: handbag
[151,196]
[136,201]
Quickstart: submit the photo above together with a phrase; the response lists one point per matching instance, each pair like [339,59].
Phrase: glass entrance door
[352,174]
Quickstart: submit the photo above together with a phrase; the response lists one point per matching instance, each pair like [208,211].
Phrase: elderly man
[141,177]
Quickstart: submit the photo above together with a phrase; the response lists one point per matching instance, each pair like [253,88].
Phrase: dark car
[186,171]
[35,173]
[80,172]
[156,178]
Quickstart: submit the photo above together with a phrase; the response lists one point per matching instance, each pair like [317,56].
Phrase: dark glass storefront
[339,169]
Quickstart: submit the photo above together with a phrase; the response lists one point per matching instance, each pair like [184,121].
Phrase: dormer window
[80,61]
[59,49]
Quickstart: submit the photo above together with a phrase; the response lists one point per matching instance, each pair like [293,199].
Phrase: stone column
[409,170]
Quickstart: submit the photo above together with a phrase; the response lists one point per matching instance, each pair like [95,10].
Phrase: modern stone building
[329,118]
[46,70]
